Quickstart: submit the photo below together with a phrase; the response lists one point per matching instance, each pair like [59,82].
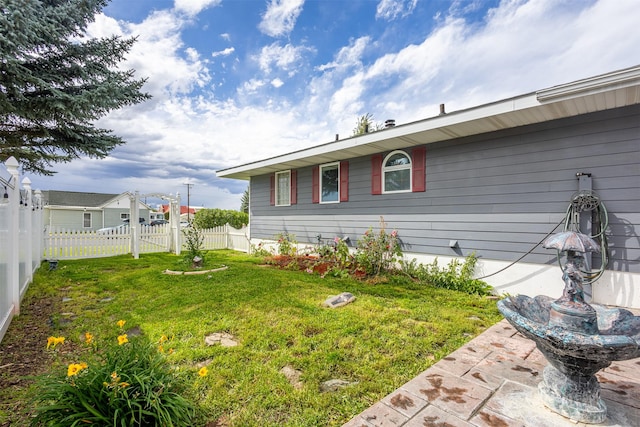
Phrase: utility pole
[188,193]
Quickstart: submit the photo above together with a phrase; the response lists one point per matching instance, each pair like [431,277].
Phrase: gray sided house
[87,211]
[492,180]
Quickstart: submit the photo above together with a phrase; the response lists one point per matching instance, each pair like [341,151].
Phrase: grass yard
[395,329]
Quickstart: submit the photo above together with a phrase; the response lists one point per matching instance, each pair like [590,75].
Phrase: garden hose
[581,201]
[588,201]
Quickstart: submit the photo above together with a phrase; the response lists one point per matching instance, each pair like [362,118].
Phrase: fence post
[38,234]
[174,219]
[13,264]
[134,224]
[28,225]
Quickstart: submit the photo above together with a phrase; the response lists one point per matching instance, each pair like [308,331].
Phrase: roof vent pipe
[442,109]
[337,137]
[389,123]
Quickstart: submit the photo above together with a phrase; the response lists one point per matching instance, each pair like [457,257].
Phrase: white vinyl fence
[20,239]
[74,244]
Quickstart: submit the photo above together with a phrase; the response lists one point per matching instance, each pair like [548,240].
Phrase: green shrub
[378,252]
[194,240]
[210,218]
[126,383]
[287,244]
[455,276]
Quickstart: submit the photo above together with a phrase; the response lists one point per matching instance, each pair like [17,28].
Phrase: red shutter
[344,181]
[419,162]
[272,190]
[315,184]
[294,187]
[376,174]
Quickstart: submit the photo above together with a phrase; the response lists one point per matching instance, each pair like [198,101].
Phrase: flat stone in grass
[339,300]
[222,338]
[293,376]
[335,385]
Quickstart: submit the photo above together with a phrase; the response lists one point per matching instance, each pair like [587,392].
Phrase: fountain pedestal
[577,398]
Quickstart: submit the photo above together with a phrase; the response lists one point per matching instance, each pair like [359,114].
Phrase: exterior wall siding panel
[498,194]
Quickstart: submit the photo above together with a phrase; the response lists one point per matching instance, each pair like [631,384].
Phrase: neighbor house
[88,211]
[492,180]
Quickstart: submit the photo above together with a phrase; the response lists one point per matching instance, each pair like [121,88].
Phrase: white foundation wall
[613,288]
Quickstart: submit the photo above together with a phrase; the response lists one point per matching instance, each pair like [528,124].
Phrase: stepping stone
[335,385]
[339,300]
[221,338]
[293,376]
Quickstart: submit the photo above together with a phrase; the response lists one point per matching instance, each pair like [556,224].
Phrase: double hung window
[86,219]
[330,183]
[283,188]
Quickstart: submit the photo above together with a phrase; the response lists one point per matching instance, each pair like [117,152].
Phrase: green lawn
[395,329]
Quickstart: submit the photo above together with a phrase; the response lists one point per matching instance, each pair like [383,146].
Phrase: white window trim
[326,165]
[396,168]
[287,172]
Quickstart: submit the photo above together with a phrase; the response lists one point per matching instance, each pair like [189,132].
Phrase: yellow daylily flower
[54,341]
[74,368]
[122,339]
[121,323]
[203,371]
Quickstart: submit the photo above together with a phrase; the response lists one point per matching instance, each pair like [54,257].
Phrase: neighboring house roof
[69,199]
[183,209]
[612,90]
[73,198]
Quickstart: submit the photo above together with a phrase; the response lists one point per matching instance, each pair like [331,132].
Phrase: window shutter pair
[344,183]
[418,171]
[293,178]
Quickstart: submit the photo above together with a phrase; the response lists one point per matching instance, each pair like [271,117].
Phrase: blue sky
[234,81]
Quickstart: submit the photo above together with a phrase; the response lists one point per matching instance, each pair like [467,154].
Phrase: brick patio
[492,381]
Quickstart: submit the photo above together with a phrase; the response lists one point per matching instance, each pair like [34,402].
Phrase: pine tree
[55,82]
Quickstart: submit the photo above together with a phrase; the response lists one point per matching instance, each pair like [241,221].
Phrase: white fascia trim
[592,85]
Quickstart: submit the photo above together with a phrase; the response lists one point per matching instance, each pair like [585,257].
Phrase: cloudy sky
[234,81]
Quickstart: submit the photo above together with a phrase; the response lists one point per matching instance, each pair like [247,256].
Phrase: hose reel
[585,201]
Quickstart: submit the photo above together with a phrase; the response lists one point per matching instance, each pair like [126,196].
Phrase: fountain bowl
[575,354]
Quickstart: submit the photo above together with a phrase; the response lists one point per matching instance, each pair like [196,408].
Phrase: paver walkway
[492,381]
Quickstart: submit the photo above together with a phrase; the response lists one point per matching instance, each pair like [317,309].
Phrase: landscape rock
[222,338]
[339,300]
[293,376]
[335,385]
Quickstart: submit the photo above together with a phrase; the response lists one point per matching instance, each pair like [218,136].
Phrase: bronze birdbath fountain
[577,338]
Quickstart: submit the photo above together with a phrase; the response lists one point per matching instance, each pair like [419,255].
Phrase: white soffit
[613,90]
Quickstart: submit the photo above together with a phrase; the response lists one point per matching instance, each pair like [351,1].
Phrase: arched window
[396,172]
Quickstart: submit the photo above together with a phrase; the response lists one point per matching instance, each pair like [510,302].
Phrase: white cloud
[193,7]
[393,9]
[225,36]
[349,55]
[277,83]
[283,57]
[157,54]
[225,52]
[252,85]
[280,17]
